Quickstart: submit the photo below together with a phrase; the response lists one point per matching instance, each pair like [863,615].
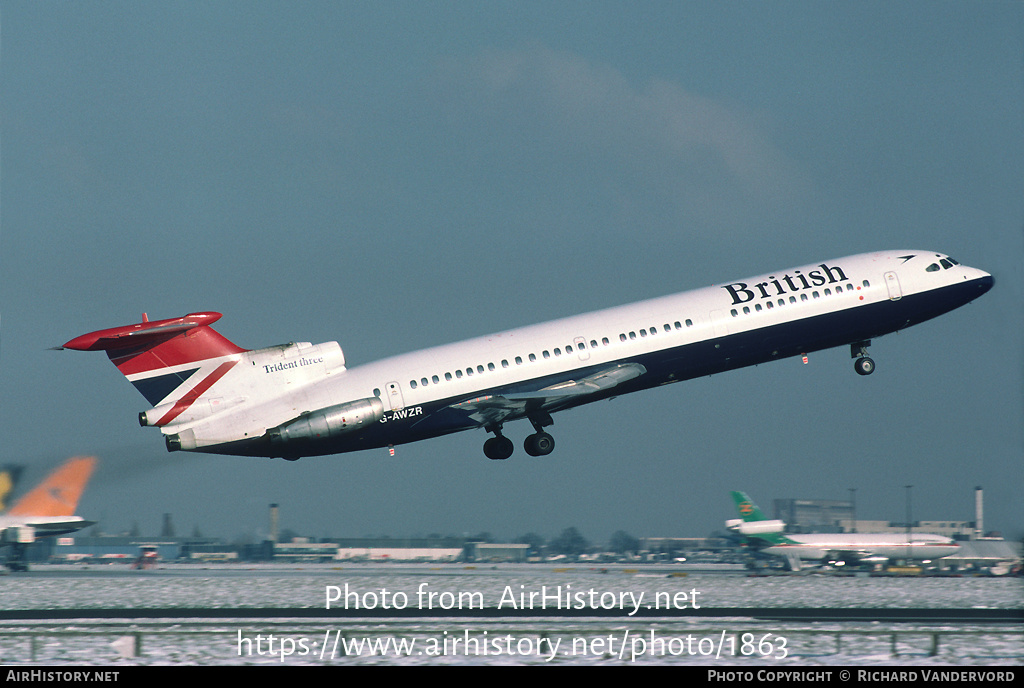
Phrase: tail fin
[9,476]
[748,510]
[754,523]
[59,493]
[158,356]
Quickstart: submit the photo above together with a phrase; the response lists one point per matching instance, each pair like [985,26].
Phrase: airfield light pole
[853,509]
[908,520]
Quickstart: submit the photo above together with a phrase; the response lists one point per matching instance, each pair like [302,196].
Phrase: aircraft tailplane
[158,356]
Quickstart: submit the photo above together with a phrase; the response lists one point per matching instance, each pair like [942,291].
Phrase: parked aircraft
[299,399]
[832,547]
[47,510]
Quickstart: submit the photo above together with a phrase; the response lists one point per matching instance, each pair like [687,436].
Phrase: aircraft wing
[494,409]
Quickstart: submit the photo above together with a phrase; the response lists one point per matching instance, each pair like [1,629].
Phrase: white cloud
[706,155]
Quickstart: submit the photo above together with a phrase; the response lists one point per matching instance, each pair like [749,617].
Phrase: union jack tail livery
[160,359]
[193,375]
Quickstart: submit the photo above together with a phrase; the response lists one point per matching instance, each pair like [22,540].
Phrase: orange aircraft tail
[58,495]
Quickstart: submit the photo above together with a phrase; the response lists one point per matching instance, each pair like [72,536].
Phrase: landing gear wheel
[864,365]
[498,448]
[539,444]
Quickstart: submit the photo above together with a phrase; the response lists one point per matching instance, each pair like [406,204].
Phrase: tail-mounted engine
[756,527]
[329,422]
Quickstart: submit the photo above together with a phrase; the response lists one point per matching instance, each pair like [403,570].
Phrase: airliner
[833,547]
[299,399]
[47,510]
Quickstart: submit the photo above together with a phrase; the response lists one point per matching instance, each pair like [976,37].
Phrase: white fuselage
[530,372]
[819,546]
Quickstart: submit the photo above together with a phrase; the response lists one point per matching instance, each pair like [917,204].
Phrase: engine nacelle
[17,535]
[329,422]
[761,527]
[153,415]
[202,408]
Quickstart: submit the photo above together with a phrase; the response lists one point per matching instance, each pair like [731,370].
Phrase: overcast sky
[394,175]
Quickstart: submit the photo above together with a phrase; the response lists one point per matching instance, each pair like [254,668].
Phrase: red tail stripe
[199,344]
[186,401]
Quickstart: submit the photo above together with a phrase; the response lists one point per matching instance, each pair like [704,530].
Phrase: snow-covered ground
[619,638]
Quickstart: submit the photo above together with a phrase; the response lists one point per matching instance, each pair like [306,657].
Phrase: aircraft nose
[985,283]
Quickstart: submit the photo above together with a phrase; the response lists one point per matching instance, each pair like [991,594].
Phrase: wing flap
[495,409]
[597,382]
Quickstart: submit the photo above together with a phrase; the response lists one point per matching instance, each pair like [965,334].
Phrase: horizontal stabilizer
[144,352]
[130,336]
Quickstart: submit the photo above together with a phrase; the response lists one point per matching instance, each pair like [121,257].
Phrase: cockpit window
[934,267]
[946,265]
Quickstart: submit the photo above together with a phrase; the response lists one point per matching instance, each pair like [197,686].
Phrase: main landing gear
[18,560]
[859,352]
[499,447]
